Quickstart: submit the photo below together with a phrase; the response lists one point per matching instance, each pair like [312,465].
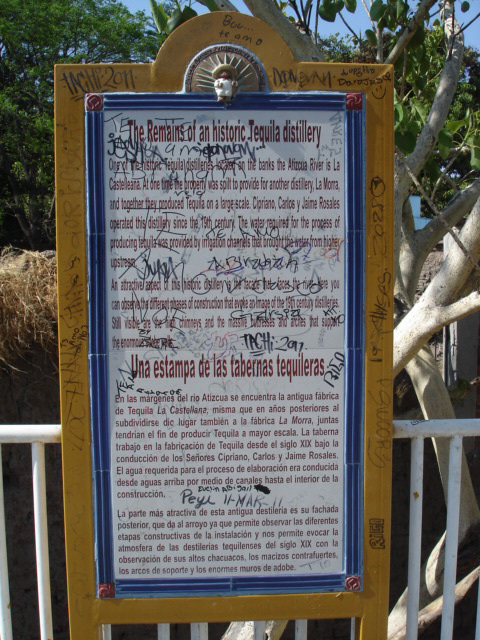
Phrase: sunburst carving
[249,73]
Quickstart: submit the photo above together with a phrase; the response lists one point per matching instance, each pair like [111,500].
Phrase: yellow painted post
[167,75]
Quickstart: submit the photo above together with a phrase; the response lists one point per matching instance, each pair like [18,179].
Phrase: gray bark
[301,45]
[441,303]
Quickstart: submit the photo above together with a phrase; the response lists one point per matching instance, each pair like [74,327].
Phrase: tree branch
[446,89]
[431,612]
[302,46]
[356,38]
[417,245]
[461,308]
[245,630]
[457,33]
[225,5]
[439,305]
[423,321]
[409,31]
[459,263]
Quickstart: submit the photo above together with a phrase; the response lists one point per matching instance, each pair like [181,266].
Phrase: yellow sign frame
[166,74]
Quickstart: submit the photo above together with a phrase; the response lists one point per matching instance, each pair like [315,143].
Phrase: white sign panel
[224,251]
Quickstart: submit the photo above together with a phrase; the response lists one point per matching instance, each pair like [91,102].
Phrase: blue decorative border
[354,339]
[98,348]
[354,346]
[242,102]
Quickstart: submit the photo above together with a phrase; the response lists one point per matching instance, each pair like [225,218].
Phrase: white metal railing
[455,430]
[417,431]
[37,436]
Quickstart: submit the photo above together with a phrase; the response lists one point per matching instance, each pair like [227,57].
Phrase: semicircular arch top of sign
[250,74]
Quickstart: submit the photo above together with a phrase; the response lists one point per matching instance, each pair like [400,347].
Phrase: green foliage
[455,160]
[336,48]
[456,157]
[377,10]
[34,36]
[351,5]
[328,10]
[168,16]
[159,16]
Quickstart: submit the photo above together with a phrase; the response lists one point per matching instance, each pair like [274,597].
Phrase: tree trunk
[244,630]
[430,613]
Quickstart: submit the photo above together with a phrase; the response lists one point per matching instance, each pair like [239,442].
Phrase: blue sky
[472,34]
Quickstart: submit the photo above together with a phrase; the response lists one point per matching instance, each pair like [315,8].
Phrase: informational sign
[224,242]
[222,249]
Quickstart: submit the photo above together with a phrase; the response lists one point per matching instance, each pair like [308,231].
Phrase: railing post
[301,629]
[199,631]
[259,628]
[451,542]
[415,536]
[5,615]
[41,540]
[163,631]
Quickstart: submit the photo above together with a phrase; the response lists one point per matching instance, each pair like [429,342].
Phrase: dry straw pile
[28,303]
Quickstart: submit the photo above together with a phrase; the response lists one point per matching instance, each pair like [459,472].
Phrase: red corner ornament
[94,102]
[354,101]
[106,590]
[353,583]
